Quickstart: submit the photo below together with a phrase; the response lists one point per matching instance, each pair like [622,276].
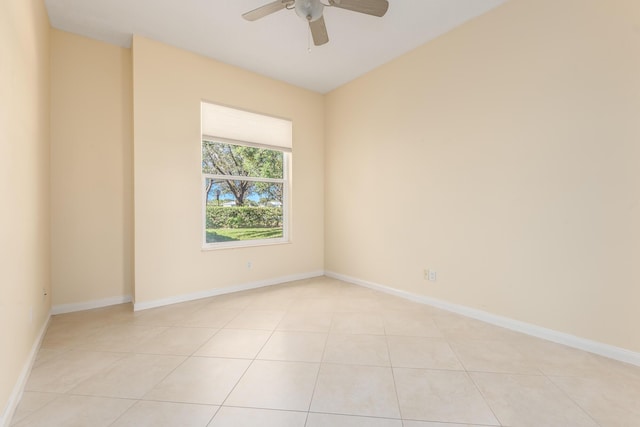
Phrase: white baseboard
[601,349]
[18,389]
[221,291]
[89,305]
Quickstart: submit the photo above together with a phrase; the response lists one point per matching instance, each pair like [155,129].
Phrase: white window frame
[285,181]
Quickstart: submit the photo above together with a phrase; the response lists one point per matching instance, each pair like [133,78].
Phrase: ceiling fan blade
[265,10]
[370,7]
[319,31]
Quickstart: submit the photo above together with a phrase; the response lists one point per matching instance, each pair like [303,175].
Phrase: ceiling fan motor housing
[310,10]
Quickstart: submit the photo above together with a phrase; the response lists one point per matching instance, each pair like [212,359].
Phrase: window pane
[227,159]
[243,210]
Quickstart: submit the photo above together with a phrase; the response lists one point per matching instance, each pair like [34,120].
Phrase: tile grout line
[550,379]
[202,345]
[247,369]
[393,374]
[315,384]
[477,387]
[186,358]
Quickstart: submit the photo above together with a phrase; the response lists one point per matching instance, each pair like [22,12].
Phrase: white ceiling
[277,45]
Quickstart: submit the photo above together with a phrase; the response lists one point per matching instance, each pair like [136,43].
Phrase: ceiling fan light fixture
[309,10]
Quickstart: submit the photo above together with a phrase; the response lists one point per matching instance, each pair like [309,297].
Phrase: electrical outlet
[430,275]
[249,265]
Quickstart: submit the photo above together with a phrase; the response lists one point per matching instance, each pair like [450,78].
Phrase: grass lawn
[235,234]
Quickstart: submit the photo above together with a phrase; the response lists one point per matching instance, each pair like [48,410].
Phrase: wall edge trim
[602,349]
[138,306]
[88,305]
[18,389]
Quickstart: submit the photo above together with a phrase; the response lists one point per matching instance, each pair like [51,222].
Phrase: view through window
[245,192]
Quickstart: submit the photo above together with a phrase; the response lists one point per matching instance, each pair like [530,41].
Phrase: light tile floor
[314,353]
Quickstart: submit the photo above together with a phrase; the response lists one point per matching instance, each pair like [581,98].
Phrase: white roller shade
[238,125]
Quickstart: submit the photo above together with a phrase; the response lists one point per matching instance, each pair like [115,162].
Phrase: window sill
[244,244]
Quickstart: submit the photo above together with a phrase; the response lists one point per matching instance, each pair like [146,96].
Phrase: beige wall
[168,86]
[91,170]
[24,185]
[505,156]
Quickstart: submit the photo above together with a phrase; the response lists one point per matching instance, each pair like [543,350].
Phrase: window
[245,182]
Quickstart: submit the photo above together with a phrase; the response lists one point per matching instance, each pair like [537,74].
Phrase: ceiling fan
[311,10]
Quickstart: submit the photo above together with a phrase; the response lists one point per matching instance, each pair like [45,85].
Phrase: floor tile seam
[575,402]
[315,383]
[310,362]
[79,337]
[47,361]
[178,402]
[215,413]
[203,356]
[155,384]
[524,358]
[364,365]
[344,414]
[199,326]
[393,377]
[203,304]
[267,307]
[376,312]
[221,407]
[303,331]
[251,363]
[306,310]
[123,413]
[130,354]
[95,374]
[293,411]
[143,353]
[160,401]
[275,330]
[257,357]
[239,312]
[518,374]
[247,329]
[602,376]
[279,310]
[484,399]
[105,396]
[414,368]
[99,396]
[431,337]
[368,365]
[458,337]
[290,312]
[445,423]
[59,396]
[204,343]
[356,333]
[171,371]
[94,350]
[183,326]
[460,361]
[365,334]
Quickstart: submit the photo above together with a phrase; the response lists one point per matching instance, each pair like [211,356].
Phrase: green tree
[238,161]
